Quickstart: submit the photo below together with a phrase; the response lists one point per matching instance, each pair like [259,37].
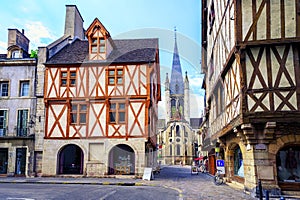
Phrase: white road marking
[13,198]
[107,195]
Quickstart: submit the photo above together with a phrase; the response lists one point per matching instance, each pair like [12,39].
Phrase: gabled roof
[125,51]
[96,22]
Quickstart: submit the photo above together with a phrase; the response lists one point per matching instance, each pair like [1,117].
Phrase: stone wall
[91,167]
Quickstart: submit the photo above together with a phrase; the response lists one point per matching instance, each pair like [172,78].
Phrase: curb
[77,183]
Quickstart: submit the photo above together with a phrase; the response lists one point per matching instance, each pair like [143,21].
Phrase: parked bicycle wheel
[218,180]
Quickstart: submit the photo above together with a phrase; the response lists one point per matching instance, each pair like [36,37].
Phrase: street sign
[220,163]
[220,166]
[148,174]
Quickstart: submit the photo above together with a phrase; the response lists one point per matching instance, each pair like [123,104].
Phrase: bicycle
[218,178]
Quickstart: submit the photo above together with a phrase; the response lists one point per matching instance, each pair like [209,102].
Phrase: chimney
[17,41]
[74,22]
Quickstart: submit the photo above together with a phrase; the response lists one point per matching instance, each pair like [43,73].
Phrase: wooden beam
[298,18]
[254,23]
[282,18]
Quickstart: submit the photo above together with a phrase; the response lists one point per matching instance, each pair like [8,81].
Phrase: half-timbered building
[250,57]
[101,98]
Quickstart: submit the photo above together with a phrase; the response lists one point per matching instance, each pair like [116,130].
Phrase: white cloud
[196,105]
[38,34]
[3,47]
[195,82]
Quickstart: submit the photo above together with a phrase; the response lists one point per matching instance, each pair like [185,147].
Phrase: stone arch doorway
[70,160]
[288,167]
[121,160]
[236,163]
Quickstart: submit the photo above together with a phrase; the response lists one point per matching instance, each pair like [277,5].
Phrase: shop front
[235,163]
[121,160]
[3,160]
[288,167]
[70,160]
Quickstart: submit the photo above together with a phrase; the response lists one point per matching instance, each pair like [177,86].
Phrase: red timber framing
[96,94]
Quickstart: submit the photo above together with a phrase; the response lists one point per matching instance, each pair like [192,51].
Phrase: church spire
[176,83]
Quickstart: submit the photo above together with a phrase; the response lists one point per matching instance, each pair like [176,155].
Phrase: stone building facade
[17,107]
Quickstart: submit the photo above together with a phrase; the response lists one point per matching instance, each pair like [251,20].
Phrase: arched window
[173,107]
[171,149]
[181,107]
[178,149]
[177,131]
[238,162]
[121,160]
[171,130]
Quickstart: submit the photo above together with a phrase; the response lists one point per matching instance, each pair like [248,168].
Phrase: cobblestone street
[194,186]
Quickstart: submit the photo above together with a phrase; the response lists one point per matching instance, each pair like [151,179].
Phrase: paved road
[194,187]
[174,182]
[27,191]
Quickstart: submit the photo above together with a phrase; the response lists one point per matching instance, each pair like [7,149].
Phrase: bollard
[267,194]
[260,190]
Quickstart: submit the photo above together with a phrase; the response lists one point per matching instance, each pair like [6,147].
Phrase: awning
[199,158]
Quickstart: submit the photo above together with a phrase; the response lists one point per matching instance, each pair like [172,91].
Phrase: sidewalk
[121,180]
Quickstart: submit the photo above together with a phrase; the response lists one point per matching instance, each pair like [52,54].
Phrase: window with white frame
[3,122]
[22,122]
[24,88]
[3,88]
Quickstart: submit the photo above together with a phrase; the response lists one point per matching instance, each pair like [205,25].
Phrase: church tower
[176,139]
[177,91]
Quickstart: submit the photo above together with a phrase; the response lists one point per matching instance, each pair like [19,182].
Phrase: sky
[43,22]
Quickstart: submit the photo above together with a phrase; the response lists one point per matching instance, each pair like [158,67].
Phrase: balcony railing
[2,132]
[22,132]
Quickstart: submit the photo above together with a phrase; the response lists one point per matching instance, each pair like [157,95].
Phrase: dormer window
[16,54]
[98,45]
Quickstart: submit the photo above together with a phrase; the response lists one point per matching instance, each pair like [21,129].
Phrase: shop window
[121,160]
[288,164]
[238,163]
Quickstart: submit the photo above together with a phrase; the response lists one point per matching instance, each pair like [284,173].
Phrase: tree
[34,53]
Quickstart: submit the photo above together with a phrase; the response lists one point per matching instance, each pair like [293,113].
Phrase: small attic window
[16,54]
[98,45]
